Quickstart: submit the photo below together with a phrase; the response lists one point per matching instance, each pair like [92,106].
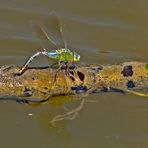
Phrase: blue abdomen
[53,54]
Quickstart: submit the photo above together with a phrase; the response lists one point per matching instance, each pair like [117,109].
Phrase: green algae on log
[39,84]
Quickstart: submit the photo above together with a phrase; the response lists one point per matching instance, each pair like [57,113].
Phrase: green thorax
[64,55]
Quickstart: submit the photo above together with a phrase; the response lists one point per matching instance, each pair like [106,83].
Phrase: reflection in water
[60,129]
[59,106]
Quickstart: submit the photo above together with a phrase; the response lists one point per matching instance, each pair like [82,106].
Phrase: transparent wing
[45,41]
[54,23]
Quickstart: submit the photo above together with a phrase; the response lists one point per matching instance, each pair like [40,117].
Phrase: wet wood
[39,84]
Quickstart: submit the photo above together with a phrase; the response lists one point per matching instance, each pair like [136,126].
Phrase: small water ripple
[105,22]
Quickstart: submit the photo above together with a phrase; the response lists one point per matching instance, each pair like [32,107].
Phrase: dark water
[109,31]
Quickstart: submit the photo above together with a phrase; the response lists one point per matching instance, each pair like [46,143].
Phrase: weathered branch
[39,84]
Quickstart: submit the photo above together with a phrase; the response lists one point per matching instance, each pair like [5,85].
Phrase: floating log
[40,84]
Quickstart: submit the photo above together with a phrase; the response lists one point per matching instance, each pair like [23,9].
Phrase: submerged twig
[36,84]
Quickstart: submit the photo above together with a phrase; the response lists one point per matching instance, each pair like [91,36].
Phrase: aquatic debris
[81,75]
[37,84]
[127,71]
[130,84]
[146,66]
[79,89]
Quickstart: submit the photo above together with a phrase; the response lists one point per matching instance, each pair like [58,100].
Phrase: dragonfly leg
[21,71]
[69,70]
[60,68]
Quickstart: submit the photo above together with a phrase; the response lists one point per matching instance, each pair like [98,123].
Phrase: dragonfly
[61,54]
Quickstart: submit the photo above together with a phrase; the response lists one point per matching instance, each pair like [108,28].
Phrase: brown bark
[39,84]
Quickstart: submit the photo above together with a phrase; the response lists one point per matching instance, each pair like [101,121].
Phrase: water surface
[110,31]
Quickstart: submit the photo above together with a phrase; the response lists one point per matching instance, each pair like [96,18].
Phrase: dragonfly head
[76,57]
